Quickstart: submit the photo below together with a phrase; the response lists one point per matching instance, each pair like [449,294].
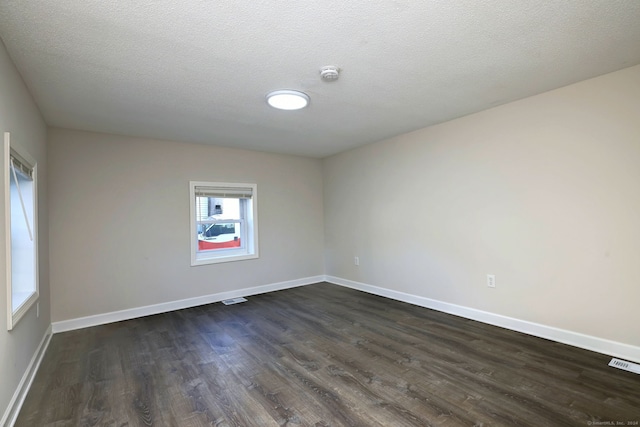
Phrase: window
[224,222]
[20,173]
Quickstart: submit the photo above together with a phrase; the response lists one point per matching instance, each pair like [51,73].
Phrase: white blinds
[21,166]
[224,192]
[15,165]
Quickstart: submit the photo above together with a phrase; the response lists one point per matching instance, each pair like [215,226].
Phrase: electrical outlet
[491,280]
[356,260]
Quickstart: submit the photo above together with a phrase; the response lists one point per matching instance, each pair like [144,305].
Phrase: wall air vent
[624,365]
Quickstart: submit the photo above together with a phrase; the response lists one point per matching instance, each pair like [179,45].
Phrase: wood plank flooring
[321,355]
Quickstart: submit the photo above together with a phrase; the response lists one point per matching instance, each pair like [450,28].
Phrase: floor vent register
[624,365]
[233,301]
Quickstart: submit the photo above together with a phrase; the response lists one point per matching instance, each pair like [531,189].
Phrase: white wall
[119,221]
[20,116]
[544,193]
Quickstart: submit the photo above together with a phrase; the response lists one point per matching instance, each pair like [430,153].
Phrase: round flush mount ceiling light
[287,99]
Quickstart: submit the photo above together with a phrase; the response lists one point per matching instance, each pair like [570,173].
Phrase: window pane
[23,279]
[217,208]
[213,232]
[221,235]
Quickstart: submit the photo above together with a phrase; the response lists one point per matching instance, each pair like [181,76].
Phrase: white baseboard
[588,342]
[576,339]
[11,414]
[132,313]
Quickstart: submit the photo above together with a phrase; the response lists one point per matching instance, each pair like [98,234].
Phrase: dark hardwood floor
[321,355]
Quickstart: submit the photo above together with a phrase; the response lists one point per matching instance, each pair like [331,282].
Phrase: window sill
[222,258]
[24,301]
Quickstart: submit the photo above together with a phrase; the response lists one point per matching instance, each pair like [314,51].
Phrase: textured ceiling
[198,70]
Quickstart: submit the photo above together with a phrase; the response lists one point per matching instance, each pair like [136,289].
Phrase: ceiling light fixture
[287,99]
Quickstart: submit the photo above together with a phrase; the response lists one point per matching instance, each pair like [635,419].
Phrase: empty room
[364,213]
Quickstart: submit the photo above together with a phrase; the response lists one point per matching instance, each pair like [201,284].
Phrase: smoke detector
[330,73]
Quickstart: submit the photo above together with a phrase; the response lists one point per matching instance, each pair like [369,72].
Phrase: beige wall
[119,219]
[544,193]
[20,116]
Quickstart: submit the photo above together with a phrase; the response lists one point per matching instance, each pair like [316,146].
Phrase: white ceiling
[198,70]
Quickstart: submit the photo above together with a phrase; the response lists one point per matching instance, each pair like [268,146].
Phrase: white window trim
[14,316]
[249,249]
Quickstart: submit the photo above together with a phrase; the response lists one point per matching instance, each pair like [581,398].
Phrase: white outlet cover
[491,280]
